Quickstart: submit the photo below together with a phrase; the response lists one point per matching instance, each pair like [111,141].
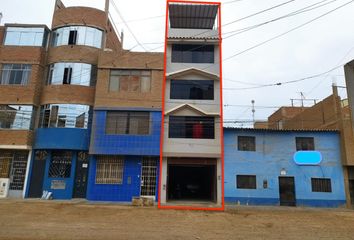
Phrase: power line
[284,33]
[126,24]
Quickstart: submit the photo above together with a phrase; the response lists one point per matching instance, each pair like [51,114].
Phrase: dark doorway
[287,191]
[351,191]
[81,174]
[37,175]
[191,182]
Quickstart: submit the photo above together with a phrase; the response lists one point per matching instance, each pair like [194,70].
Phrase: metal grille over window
[246,181]
[15,74]
[148,176]
[60,164]
[130,81]
[321,185]
[305,144]
[135,123]
[191,127]
[13,165]
[246,143]
[18,171]
[109,169]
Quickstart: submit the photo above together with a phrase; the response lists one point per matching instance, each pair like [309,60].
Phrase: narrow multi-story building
[22,60]
[192,154]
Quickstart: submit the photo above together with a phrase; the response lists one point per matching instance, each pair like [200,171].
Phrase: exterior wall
[208,67]
[73,53]
[105,98]
[79,16]
[102,143]
[181,147]
[10,138]
[276,120]
[74,94]
[117,192]
[274,152]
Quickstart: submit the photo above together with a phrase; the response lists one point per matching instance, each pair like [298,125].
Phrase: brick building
[80,117]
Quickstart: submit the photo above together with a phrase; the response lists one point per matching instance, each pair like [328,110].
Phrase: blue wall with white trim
[274,152]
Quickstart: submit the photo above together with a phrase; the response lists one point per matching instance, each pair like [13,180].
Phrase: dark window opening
[305,144]
[321,185]
[60,164]
[190,53]
[246,143]
[67,75]
[191,127]
[246,181]
[135,123]
[72,37]
[192,89]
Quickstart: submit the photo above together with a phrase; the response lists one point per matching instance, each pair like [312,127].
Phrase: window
[135,123]
[64,116]
[60,164]
[305,144]
[192,89]
[246,143]
[191,127]
[77,35]
[72,37]
[109,169]
[130,81]
[72,73]
[246,181]
[321,185]
[26,36]
[17,117]
[190,53]
[15,74]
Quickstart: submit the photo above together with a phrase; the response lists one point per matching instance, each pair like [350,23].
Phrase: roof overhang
[190,107]
[197,16]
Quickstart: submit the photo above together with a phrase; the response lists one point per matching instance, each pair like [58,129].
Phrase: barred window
[246,181]
[305,144]
[136,123]
[246,143]
[60,164]
[109,169]
[15,74]
[321,185]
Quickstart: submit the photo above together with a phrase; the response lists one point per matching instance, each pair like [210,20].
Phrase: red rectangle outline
[221,113]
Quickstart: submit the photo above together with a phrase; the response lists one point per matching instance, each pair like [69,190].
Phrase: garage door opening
[191,182]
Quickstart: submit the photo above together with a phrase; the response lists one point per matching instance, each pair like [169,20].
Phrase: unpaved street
[79,220]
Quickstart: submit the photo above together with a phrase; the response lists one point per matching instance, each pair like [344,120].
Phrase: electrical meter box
[4,187]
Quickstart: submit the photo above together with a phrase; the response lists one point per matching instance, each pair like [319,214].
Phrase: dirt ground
[31,219]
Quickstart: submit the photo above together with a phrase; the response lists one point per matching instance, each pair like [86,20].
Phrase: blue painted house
[281,167]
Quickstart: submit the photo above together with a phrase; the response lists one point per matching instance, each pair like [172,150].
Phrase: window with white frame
[109,169]
[15,74]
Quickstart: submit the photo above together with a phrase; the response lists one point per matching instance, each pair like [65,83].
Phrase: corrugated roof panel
[281,130]
[192,15]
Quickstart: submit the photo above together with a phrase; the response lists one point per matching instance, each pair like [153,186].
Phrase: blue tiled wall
[125,144]
[117,192]
[274,151]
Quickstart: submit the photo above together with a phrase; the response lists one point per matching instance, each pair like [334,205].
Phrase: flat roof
[196,16]
[280,130]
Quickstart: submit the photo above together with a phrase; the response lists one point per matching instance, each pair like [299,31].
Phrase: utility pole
[0,17]
[253,111]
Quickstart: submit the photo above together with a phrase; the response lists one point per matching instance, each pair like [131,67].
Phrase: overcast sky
[312,49]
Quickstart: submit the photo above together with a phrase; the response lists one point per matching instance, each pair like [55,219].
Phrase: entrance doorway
[351,184]
[287,191]
[81,174]
[191,182]
[38,168]
[148,177]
